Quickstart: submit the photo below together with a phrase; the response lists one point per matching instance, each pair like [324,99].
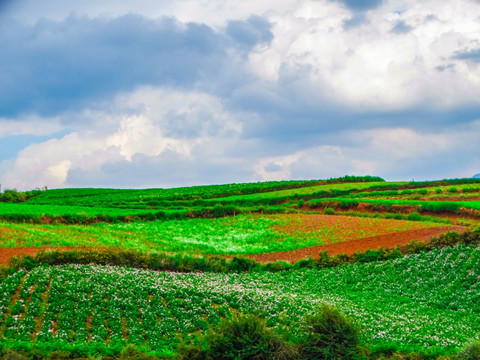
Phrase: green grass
[427,302]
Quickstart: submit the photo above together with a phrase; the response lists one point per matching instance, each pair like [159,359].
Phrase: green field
[420,305]
[428,302]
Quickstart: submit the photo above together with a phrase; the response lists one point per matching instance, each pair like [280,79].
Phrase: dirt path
[350,247]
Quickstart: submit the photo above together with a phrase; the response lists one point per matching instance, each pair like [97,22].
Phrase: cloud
[150,129]
[30,125]
[362,5]
[393,153]
[286,89]
[372,68]
[54,66]
[470,55]
[255,30]
[401,28]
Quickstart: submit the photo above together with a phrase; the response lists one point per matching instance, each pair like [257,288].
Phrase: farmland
[420,298]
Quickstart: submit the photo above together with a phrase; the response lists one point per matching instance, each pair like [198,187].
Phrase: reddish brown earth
[358,245]
[6,253]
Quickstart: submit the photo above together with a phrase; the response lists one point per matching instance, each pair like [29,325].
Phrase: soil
[7,253]
[391,240]
[303,224]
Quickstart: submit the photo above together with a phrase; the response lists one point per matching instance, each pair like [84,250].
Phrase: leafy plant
[470,352]
[329,335]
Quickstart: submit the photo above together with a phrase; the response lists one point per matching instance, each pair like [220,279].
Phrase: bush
[131,352]
[470,352]
[13,355]
[13,196]
[329,335]
[239,337]
[414,216]
[329,211]
[242,264]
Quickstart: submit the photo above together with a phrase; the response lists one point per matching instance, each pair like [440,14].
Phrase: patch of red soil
[7,253]
[391,240]
[303,225]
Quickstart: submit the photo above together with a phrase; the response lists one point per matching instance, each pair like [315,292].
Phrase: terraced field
[427,301]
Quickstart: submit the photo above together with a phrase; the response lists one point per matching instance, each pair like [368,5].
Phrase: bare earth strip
[7,253]
[391,240]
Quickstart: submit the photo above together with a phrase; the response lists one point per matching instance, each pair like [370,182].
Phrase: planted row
[427,302]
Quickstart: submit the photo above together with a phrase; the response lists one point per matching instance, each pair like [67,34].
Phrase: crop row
[99,197]
[427,302]
[387,204]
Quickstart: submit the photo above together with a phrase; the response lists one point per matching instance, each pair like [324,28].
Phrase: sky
[141,94]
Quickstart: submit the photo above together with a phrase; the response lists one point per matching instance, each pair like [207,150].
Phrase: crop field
[425,302]
[274,249]
[243,234]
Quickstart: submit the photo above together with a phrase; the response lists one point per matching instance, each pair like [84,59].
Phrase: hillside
[103,268]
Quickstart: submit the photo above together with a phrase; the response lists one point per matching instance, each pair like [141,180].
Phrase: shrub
[239,337]
[59,355]
[13,196]
[276,266]
[470,352]
[414,216]
[13,355]
[241,264]
[449,239]
[329,211]
[131,352]
[329,335]
[415,247]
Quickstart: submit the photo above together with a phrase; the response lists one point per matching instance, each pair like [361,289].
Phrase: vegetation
[243,234]
[433,294]
[157,273]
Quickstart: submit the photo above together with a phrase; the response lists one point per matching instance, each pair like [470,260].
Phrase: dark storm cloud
[50,66]
[469,55]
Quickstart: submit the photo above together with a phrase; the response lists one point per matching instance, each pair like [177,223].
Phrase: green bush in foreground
[329,335]
[239,337]
[326,335]
[470,352]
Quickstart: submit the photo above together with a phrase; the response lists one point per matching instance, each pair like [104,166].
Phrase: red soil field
[391,240]
[7,253]
[301,224]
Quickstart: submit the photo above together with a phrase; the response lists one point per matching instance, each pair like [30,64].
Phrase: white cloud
[29,125]
[394,153]
[372,67]
[403,143]
[139,128]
